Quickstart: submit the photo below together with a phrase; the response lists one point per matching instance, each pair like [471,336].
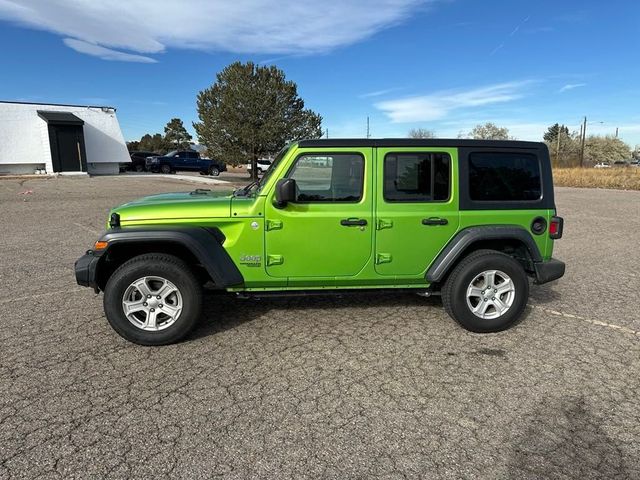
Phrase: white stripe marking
[588,320]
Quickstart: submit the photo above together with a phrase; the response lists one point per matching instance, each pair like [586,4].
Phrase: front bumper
[548,271]
[86,268]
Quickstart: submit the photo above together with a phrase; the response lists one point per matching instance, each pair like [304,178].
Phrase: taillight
[555,227]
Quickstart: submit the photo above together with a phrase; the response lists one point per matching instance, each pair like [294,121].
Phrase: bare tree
[421,133]
[605,148]
[487,131]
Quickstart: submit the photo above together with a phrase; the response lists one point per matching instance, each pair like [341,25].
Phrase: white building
[60,138]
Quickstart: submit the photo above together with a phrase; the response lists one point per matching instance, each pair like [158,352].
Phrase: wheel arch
[510,239]
[200,248]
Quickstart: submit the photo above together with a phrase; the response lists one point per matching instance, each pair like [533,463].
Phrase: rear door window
[416,177]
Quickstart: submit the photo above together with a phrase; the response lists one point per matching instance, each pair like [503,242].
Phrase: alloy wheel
[152,303]
[490,294]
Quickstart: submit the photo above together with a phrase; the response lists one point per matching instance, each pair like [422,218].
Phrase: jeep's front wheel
[153,299]
[486,292]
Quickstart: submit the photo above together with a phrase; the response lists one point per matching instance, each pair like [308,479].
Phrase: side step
[333,292]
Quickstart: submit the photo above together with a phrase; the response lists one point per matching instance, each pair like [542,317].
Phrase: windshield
[172,153]
[243,192]
[272,167]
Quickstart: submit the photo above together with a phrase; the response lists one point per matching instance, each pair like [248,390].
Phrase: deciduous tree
[605,148]
[421,133]
[488,131]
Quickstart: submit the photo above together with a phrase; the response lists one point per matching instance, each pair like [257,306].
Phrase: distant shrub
[624,178]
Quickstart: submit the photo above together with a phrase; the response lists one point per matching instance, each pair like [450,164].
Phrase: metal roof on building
[60,118]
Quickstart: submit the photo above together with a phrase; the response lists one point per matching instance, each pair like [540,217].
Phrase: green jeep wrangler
[468,219]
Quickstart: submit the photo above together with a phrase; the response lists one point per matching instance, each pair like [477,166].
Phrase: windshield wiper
[244,191]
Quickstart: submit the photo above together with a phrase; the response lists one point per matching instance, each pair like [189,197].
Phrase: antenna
[368,131]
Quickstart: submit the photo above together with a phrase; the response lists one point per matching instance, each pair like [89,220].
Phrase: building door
[67,148]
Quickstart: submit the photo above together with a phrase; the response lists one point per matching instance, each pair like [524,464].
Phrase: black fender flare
[466,237]
[205,243]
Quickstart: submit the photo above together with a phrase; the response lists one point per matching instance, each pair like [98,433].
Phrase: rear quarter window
[504,176]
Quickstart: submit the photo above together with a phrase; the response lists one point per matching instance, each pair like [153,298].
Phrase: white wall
[24,138]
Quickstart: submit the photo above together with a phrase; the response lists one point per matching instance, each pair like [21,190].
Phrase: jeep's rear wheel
[486,292]
[153,299]
[214,172]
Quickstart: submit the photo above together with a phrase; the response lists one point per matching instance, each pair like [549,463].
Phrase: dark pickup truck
[184,160]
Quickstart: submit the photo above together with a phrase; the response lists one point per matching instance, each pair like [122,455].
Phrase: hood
[175,206]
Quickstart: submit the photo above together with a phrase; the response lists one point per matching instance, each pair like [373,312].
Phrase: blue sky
[444,65]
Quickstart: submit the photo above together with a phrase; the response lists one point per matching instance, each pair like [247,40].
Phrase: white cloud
[242,26]
[439,104]
[378,93]
[105,53]
[571,86]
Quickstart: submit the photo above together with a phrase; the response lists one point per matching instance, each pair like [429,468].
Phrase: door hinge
[273,225]
[274,260]
[382,224]
[383,258]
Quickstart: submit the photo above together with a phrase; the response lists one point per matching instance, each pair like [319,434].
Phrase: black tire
[214,172]
[166,168]
[139,168]
[454,290]
[153,264]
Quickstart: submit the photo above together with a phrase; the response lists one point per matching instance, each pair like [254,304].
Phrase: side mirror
[285,192]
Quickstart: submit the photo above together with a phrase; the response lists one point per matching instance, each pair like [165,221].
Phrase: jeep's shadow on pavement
[222,311]
[544,294]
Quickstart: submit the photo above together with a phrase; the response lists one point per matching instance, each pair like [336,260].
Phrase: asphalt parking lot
[355,387]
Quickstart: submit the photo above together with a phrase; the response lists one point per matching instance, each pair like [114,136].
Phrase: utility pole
[584,136]
[558,147]
[368,132]
[616,132]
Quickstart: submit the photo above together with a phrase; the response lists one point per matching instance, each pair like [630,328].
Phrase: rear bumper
[86,267]
[549,271]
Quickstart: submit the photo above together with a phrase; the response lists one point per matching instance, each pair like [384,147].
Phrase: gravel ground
[357,387]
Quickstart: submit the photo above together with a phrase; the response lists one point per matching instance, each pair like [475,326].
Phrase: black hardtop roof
[416,142]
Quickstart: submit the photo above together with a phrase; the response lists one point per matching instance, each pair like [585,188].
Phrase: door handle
[434,221]
[353,222]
